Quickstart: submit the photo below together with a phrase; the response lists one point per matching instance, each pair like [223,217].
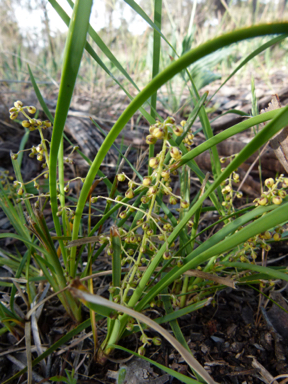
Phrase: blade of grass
[229,132]
[273,273]
[155,64]
[116,257]
[74,47]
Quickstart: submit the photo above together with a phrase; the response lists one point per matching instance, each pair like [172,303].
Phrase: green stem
[148,217]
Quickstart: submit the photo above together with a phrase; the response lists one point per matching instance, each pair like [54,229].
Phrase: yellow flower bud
[269,182]
[167,255]
[123,215]
[18,104]
[267,235]
[175,153]
[184,204]
[13,115]
[277,200]
[169,120]
[150,139]
[263,200]
[156,341]
[14,156]
[167,227]
[165,175]
[180,263]
[151,191]
[285,182]
[172,200]
[39,148]
[190,137]
[129,194]
[141,350]
[25,124]
[178,130]
[121,177]
[144,199]
[158,133]
[146,181]
[31,110]
[153,162]
[48,124]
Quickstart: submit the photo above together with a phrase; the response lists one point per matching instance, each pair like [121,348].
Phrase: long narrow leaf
[74,48]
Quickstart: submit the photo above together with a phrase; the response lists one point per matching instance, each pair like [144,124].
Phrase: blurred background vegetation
[186,24]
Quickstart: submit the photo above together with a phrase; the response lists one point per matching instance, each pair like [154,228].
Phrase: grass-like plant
[152,242]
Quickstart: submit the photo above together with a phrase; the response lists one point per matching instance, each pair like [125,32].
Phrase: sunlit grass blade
[229,132]
[183,311]
[155,63]
[156,50]
[272,273]
[75,44]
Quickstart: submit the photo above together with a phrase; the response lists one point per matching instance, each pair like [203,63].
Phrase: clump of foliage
[152,244]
